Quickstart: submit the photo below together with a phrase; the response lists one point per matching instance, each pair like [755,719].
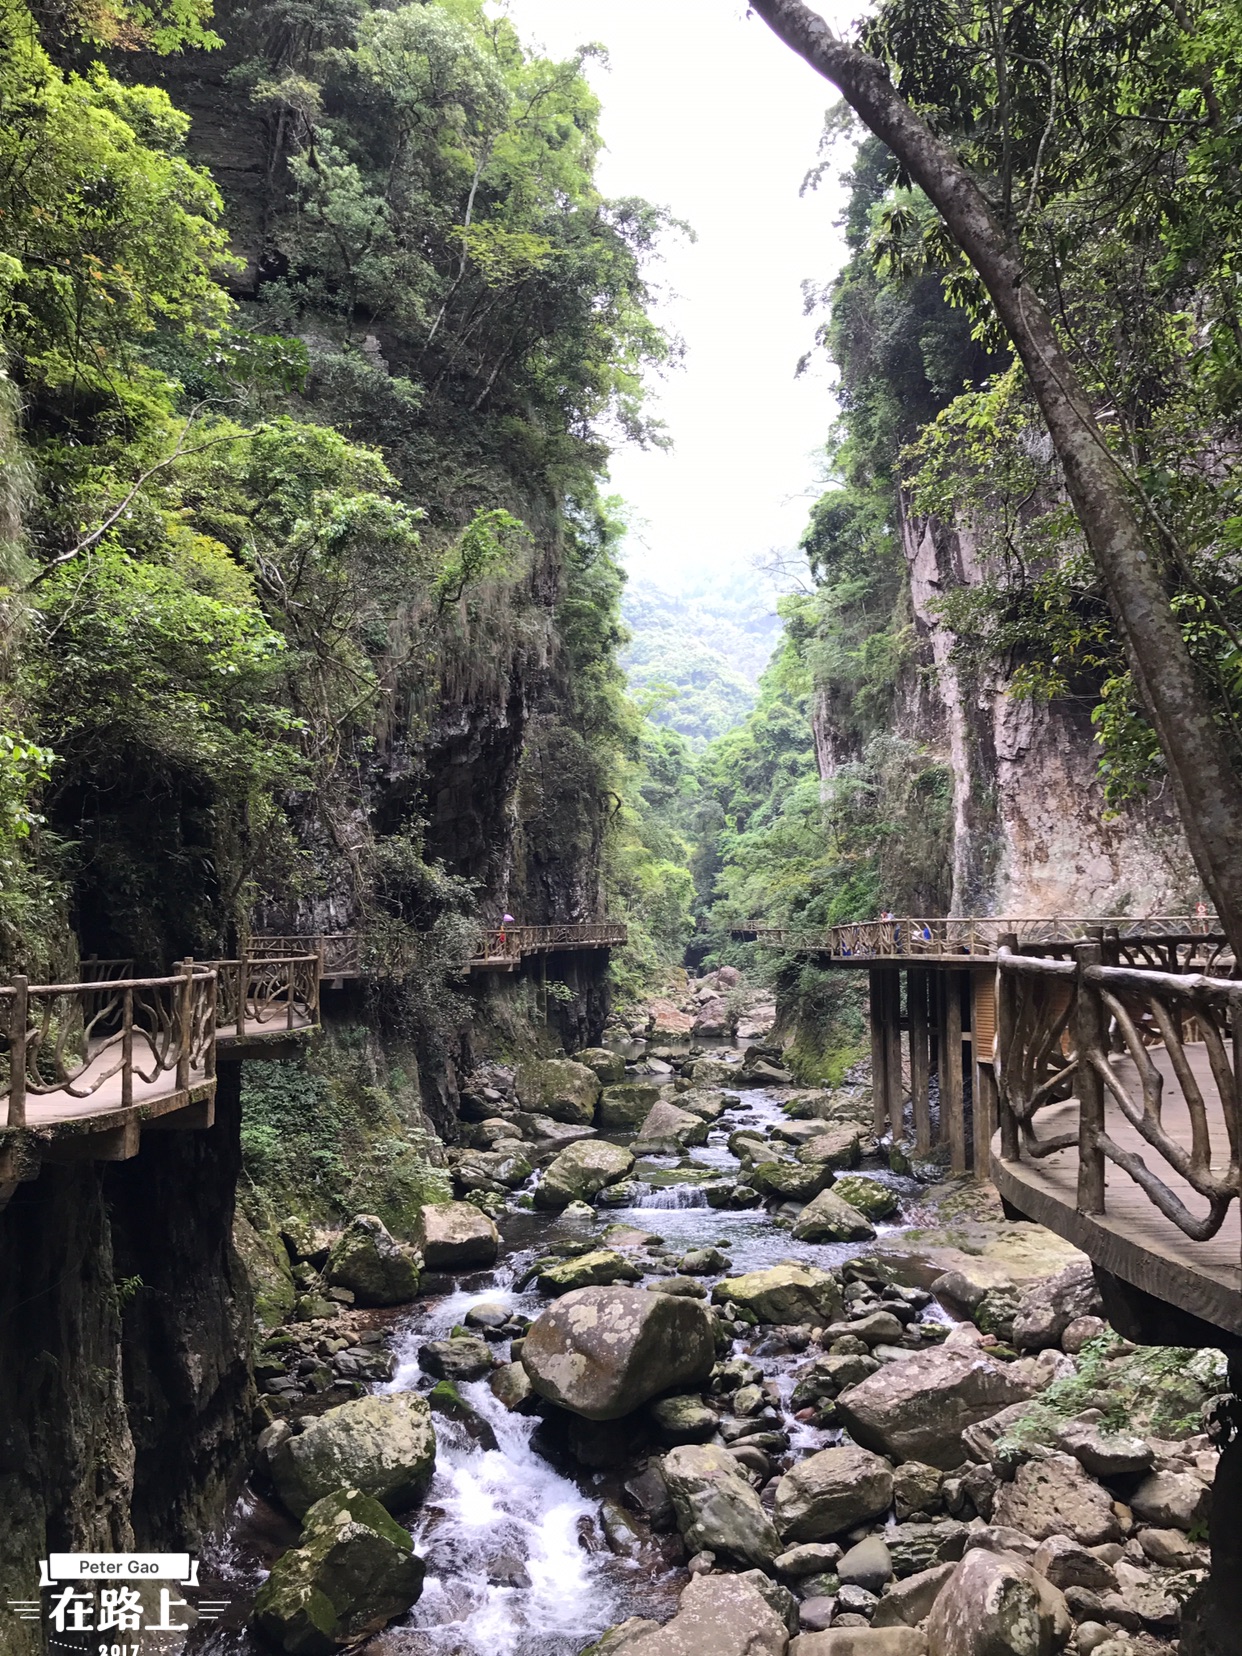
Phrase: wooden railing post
[127,1049]
[209,1023]
[1091,1039]
[17,1051]
[185,1003]
[1006,1025]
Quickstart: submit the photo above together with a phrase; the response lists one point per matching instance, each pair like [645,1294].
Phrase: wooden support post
[1006,1020]
[894,1096]
[916,1001]
[879,1052]
[1090,1036]
[983,1076]
[941,999]
[951,1097]
[17,1051]
[213,1007]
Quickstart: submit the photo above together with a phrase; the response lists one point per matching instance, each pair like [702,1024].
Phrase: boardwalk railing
[1064,1031]
[506,945]
[259,992]
[74,1038]
[913,937]
[341,952]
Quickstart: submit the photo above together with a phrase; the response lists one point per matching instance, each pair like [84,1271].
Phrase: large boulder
[837,1146]
[861,1641]
[791,1181]
[1054,1496]
[717,1510]
[589,1270]
[917,1409]
[711,1072]
[1047,1308]
[627,1106]
[383,1445]
[353,1571]
[666,1124]
[603,1352]
[787,1293]
[607,1067]
[828,1219]
[668,1022]
[719,1615]
[560,1088]
[869,1196]
[581,1171]
[996,1605]
[456,1236]
[713,1017]
[831,1492]
[374,1266]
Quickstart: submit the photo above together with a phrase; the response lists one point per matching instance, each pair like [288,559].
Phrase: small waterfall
[672,1196]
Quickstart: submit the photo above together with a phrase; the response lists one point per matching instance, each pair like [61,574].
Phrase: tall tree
[1127,552]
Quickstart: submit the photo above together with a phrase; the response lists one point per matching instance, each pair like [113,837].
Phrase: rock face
[830,1492]
[996,1605]
[353,1572]
[1047,1308]
[581,1171]
[384,1446]
[789,1293]
[1054,1496]
[665,1123]
[603,1352]
[626,1106]
[559,1088]
[717,1510]
[916,1410]
[455,1236]
[829,1219]
[719,1615]
[377,1269]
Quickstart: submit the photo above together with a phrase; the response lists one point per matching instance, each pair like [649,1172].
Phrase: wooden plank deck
[1132,1239]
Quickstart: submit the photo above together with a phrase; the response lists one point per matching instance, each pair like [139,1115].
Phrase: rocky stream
[697,1361]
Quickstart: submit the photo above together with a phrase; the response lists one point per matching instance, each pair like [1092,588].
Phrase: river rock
[867,1564]
[862,1641]
[829,1219]
[876,1328]
[1054,1496]
[666,1124]
[454,1236]
[831,1492]
[996,1605]
[792,1181]
[560,1088]
[500,1169]
[713,1018]
[511,1385]
[1047,1308]
[717,1510]
[835,1147]
[916,1487]
[464,1357]
[607,1067]
[719,1615]
[668,1022]
[603,1352]
[704,1102]
[353,1571]
[869,1196]
[383,1445]
[581,1171]
[1105,1454]
[628,1106]
[590,1270]
[683,1419]
[372,1265]
[787,1293]
[1172,1500]
[1065,1563]
[710,1072]
[917,1409]
[909,1602]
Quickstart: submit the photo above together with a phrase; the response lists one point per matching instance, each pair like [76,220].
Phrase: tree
[1205,786]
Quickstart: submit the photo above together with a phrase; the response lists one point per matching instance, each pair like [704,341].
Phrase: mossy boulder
[708,1103]
[559,1088]
[626,1107]
[710,1072]
[372,1264]
[383,1445]
[456,1236]
[868,1196]
[788,1293]
[829,1219]
[590,1270]
[266,1262]
[837,1147]
[581,1171]
[461,1357]
[607,1067]
[353,1572]
[791,1181]
[666,1124]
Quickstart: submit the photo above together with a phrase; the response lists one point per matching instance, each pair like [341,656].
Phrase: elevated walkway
[502,948]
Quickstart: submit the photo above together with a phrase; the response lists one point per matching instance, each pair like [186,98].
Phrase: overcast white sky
[706,113]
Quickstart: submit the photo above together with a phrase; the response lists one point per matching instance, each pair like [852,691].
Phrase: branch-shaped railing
[911,937]
[1064,1031]
[340,952]
[259,993]
[75,1038]
[505,945]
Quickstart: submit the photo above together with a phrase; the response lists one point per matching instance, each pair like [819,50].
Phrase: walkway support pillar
[917,984]
[952,1100]
[878,1002]
[894,1094]
[983,1075]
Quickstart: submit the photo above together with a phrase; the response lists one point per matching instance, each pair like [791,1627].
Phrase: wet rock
[872,1199]
[719,1615]
[648,1494]
[607,1067]
[464,1357]
[792,1180]
[511,1385]
[705,1103]
[559,1088]
[867,1564]
[716,1507]
[377,1269]
[917,1409]
[916,1488]
[627,1106]
[503,1168]
[835,1147]
[685,1287]
[827,1376]
[1105,1454]
[831,1492]
[590,1270]
[620,1534]
[353,1571]
[383,1445]
[788,1293]
[684,1419]
[580,1171]
[827,1218]
[1172,1500]
[873,1329]
[445,1399]
[603,1352]
[909,1602]
[703,1262]
[1054,1496]
[997,1604]
[454,1236]
[666,1124]
[1047,1308]
[710,1072]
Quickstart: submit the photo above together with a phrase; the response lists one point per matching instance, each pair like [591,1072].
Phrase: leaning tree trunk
[1208,794]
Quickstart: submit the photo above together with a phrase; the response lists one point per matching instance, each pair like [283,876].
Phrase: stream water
[517,1561]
